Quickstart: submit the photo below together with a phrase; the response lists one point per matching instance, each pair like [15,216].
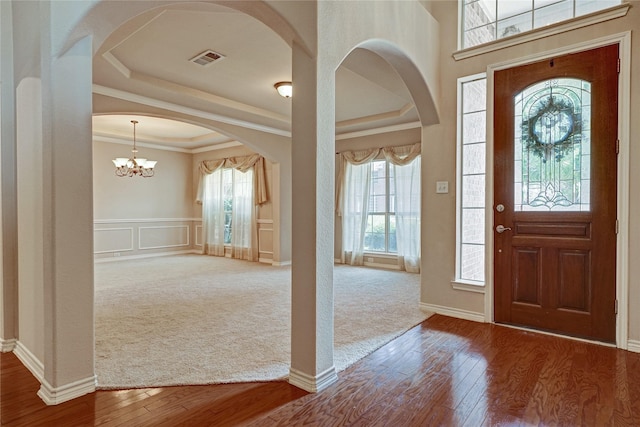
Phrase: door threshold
[553,334]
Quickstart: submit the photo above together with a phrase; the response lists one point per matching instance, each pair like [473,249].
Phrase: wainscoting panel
[265,241]
[198,239]
[164,236]
[116,239]
[109,240]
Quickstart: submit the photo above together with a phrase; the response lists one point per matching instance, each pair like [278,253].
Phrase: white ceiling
[144,69]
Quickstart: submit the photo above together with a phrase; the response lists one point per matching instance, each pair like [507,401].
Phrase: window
[236,194]
[471,179]
[379,201]
[488,20]
[552,146]
[228,210]
[227,191]
[380,234]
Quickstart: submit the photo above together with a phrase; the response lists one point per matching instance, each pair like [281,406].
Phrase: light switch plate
[442,187]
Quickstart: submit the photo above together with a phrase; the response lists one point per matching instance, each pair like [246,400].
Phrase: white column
[8,212]
[313,148]
[68,225]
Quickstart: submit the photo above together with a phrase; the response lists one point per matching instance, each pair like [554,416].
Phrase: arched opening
[378,177]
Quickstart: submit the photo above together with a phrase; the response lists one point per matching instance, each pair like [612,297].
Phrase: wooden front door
[555,169]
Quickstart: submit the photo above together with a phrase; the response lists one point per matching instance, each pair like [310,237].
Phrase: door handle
[501,228]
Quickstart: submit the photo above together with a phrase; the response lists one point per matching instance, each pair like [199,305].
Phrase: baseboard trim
[313,384]
[153,255]
[453,312]
[30,361]
[56,395]
[633,345]
[7,346]
[280,263]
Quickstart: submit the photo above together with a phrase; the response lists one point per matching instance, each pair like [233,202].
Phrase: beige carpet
[193,319]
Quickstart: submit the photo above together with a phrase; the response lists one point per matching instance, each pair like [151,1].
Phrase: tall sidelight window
[484,21]
[552,146]
[471,169]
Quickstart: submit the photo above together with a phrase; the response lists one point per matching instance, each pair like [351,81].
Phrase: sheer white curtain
[352,202]
[352,196]
[243,216]
[355,211]
[213,214]
[406,163]
[248,190]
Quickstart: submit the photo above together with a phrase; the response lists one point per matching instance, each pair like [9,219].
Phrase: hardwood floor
[446,371]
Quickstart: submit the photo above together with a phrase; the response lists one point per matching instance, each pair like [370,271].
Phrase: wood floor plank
[445,371]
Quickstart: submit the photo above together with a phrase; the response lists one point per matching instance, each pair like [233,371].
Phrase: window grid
[380,236]
[227,185]
[470,263]
[484,21]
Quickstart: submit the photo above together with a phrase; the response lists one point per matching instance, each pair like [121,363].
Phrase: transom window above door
[484,21]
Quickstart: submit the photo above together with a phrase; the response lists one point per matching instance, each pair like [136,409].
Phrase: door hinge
[616,307]
[617,226]
[617,146]
[618,65]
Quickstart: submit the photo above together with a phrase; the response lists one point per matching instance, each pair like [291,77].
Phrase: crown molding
[152,102]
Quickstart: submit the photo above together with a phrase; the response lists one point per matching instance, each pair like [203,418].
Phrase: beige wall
[439,156]
[167,195]
[138,216]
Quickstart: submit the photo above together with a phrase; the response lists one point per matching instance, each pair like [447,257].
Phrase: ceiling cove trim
[376,131]
[116,140]
[214,147]
[144,100]
[376,117]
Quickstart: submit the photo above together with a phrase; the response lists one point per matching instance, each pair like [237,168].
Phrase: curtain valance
[400,156]
[241,163]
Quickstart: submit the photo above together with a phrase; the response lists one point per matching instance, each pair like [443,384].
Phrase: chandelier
[134,166]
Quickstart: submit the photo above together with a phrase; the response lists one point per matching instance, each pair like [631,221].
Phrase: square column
[313,177]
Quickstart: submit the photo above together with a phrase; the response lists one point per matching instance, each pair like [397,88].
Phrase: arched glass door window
[552,146]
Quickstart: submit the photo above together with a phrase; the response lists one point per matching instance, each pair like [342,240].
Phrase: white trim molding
[313,384]
[123,249]
[633,345]
[468,287]
[30,361]
[7,346]
[151,255]
[164,227]
[458,313]
[198,231]
[135,220]
[56,395]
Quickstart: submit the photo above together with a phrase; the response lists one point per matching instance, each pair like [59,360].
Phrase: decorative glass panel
[551,146]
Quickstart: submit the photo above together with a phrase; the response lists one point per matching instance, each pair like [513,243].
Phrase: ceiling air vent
[206,58]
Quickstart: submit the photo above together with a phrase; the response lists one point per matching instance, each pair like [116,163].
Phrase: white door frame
[624,117]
